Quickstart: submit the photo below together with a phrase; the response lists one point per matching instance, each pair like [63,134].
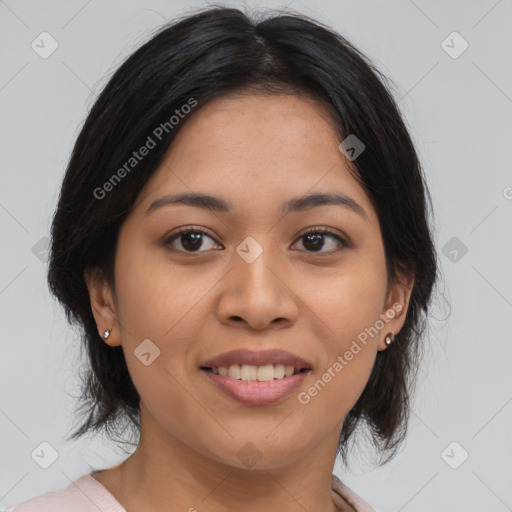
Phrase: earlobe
[102,305]
[395,310]
[389,338]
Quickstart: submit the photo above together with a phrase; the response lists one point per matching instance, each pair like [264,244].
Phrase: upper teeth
[250,373]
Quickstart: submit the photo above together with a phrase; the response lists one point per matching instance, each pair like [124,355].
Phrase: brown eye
[315,241]
[191,240]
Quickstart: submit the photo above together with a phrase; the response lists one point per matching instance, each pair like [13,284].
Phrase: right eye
[190,239]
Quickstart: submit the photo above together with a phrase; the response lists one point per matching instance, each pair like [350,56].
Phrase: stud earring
[389,338]
[106,334]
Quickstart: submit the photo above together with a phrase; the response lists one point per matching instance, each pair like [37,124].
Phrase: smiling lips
[250,373]
[256,377]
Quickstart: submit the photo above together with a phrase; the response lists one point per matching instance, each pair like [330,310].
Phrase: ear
[102,305]
[395,308]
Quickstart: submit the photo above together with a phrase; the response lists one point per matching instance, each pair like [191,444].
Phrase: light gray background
[459,112]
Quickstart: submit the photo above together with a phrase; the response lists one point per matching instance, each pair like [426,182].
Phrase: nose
[257,294]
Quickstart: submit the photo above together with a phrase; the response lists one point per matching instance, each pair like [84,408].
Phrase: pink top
[86,494]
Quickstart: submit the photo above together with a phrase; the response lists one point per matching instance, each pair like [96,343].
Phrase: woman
[242,236]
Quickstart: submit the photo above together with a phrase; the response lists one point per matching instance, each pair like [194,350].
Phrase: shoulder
[85,494]
[357,503]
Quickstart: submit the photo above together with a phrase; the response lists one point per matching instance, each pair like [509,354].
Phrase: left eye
[314,241]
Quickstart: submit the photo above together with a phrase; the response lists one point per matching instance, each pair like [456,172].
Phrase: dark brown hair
[203,56]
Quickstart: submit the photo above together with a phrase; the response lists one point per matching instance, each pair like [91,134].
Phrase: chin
[257,453]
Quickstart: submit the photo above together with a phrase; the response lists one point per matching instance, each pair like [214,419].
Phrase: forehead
[255,149]
[280,121]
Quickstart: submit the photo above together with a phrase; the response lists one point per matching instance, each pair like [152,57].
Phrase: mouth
[253,373]
[256,377]
[254,391]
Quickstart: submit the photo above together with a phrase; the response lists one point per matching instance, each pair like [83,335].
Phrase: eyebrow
[297,204]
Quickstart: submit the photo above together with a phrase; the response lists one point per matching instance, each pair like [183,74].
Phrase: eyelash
[321,231]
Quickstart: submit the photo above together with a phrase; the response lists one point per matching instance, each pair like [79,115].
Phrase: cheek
[165,304]
[347,300]
[152,294]
[350,347]
[349,306]
[157,303]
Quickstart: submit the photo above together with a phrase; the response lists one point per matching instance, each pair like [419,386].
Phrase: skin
[254,151]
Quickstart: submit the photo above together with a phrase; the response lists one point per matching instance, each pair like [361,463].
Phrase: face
[268,272]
